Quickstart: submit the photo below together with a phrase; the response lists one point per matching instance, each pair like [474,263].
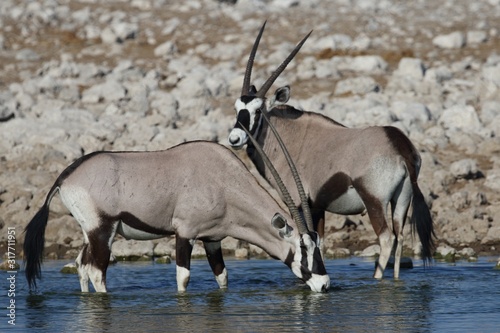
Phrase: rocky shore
[82,76]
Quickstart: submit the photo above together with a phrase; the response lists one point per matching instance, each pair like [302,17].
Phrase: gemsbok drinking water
[344,170]
[197,190]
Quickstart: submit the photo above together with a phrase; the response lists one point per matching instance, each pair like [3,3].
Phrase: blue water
[263,296]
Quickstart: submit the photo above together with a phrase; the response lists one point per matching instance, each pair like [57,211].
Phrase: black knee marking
[215,258]
[183,249]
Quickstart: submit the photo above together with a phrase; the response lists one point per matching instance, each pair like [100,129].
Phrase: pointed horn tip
[248,71]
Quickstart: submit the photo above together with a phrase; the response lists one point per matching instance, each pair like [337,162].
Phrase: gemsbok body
[343,170]
[198,191]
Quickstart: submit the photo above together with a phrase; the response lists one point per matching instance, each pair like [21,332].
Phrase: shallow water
[263,296]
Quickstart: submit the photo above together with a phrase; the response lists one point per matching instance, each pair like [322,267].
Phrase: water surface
[264,296]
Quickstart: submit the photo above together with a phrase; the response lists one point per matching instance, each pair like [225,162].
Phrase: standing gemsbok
[344,170]
[196,190]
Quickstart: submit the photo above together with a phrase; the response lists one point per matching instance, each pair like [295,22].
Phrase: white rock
[464,168]
[375,116]
[492,180]
[411,113]
[492,74]
[460,117]
[445,250]
[476,37]
[368,64]
[127,248]
[489,111]
[493,236]
[108,91]
[125,30]
[438,74]
[467,252]
[333,42]
[107,35]
[453,40]
[371,251]
[165,247]
[27,55]
[411,67]
[165,49]
[460,199]
[357,85]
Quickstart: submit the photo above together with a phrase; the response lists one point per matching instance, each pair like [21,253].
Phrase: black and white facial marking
[312,269]
[306,263]
[248,114]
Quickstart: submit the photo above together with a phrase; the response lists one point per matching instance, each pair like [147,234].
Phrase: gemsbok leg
[216,261]
[400,204]
[99,232]
[93,260]
[183,250]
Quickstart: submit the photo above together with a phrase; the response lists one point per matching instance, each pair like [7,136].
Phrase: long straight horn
[300,188]
[248,72]
[301,225]
[263,90]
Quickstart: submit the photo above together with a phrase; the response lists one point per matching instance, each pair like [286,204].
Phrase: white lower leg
[386,241]
[96,276]
[82,274]
[183,275]
[397,256]
[222,279]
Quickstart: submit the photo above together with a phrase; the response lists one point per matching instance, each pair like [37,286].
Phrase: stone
[69,269]
[492,180]
[453,40]
[492,237]
[465,168]
[460,117]
[337,253]
[358,85]
[165,49]
[109,91]
[411,68]
[411,113]
[476,37]
[371,251]
[27,55]
[445,252]
[132,249]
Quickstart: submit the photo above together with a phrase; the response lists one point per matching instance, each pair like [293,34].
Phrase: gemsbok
[197,190]
[344,170]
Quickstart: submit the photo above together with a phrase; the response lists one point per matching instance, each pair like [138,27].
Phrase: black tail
[34,241]
[421,220]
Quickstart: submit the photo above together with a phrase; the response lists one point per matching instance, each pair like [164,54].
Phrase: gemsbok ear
[279,223]
[282,94]
[252,91]
[280,97]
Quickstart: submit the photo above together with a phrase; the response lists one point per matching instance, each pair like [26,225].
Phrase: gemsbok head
[344,170]
[195,191]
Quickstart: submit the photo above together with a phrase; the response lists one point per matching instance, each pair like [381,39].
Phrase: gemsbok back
[344,170]
[196,190]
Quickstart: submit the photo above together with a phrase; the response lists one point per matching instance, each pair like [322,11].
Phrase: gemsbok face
[252,103]
[195,191]
[344,170]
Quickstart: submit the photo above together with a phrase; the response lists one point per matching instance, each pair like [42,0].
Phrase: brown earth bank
[83,76]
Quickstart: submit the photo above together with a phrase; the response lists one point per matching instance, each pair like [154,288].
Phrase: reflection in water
[263,296]
[35,304]
[93,312]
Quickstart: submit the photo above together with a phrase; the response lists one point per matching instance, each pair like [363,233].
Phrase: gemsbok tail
[421,220]
[34,240]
